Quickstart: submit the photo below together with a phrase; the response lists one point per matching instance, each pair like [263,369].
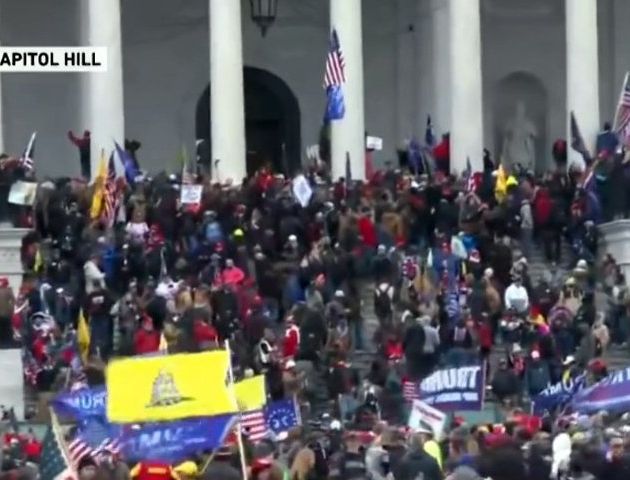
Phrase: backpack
[382,302]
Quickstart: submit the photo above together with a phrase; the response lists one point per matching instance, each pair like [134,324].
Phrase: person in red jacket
[153,471]
[147,338]
[367,230]
[205,335]
[291,344]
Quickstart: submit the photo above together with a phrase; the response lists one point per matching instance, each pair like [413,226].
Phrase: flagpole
[239,436]
[623,86]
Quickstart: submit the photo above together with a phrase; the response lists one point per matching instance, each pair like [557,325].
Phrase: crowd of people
[443,260]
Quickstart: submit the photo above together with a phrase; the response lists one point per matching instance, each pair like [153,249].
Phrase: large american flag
[111,193]
[622,118]
[335,64]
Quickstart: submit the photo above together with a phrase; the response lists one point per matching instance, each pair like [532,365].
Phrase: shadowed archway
[272,122]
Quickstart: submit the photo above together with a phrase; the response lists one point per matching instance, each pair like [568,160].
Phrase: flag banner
[335,104]
[423,413]
[452,389]
[302,190]
[557,395]
[334,78]
[84,403]
[132,172]
[611,394]
[282,416]
[250,393]
[429,137]
[173,442]
[168,387]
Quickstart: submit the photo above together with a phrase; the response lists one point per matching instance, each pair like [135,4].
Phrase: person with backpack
[383,297]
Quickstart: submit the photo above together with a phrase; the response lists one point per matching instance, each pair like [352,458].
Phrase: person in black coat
[413,346]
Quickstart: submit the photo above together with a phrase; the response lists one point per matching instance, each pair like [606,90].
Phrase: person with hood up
[413,346]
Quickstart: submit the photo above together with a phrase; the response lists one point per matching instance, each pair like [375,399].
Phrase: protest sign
[23,193]
[191,194]
[452,389]
[422,412]
[374,143]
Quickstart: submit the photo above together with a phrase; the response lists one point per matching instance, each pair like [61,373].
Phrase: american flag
[111,193]
[410,390]
[622,117]
[254,425]
[78,449]
[335,64]
[26,160]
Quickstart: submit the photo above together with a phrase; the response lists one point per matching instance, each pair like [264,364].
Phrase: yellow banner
[169,387]
[250,393]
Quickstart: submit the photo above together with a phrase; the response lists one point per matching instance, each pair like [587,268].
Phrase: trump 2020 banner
[456,388]
[84,403]
[611,394]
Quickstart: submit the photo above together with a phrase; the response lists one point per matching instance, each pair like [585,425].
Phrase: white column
[106,110]
[440,42]
[348,134]
[582,71]
[227,104]
[465,85]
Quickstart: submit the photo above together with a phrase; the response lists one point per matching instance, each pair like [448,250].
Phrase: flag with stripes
[334,78]
[254,425]
[26,160]
[53,464]
[111,199]
[96,440]
[622,116]
[410,390]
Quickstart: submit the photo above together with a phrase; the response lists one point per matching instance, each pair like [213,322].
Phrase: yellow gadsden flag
[83,337]
[250,393]
[169,387]
[99,188]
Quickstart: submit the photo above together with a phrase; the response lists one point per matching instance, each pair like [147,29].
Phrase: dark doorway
[272,122]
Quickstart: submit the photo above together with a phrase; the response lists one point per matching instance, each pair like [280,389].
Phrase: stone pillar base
[10,255]
[615,240]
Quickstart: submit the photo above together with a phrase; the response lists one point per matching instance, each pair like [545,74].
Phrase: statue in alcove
[519,140]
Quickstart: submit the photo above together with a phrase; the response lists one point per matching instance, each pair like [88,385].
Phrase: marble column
[440,45]
[348,134]
[227,103]
[104,90]
[465,85]
[582,72]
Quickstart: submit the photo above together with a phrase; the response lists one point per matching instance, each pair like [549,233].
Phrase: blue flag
[129,164]
[558,395]
[335,105]
[414,156]
[611,394]
[453,389]
[429,138]
[282,415]
[173,442]
[81,404]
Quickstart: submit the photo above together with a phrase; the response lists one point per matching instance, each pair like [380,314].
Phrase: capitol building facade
[500,74]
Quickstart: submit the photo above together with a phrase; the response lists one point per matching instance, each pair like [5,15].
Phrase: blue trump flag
[557,395]
[84,403]
[334,78]
[129,164]
[611,394]
[175,441]
[453,389]
[282,415]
